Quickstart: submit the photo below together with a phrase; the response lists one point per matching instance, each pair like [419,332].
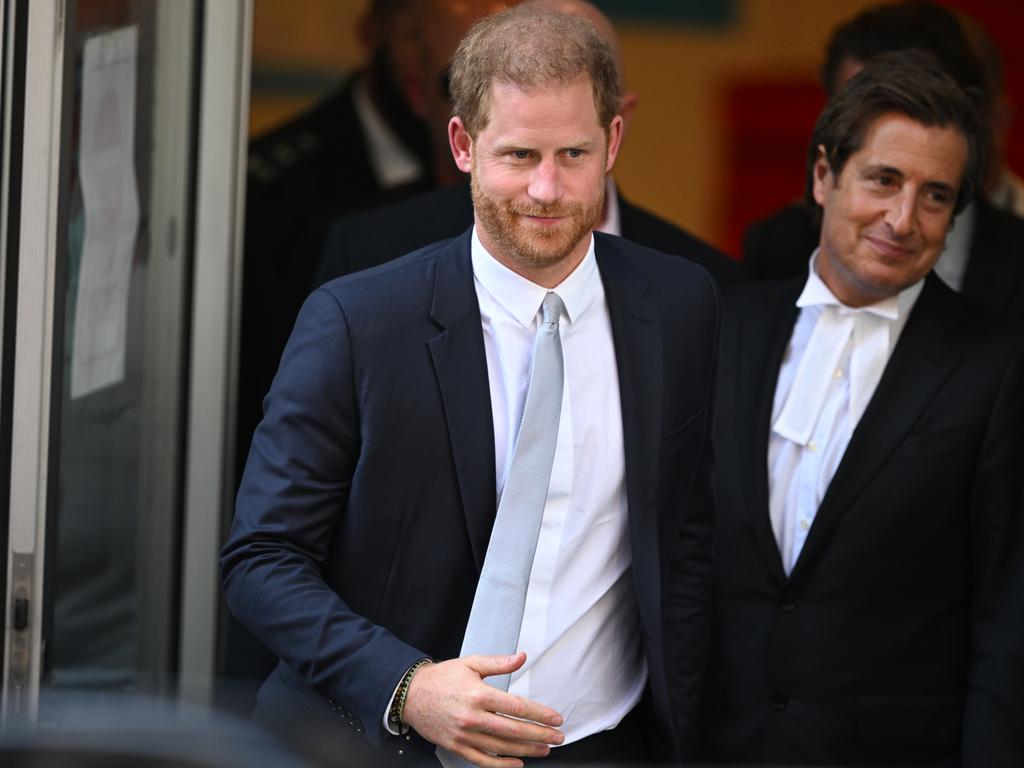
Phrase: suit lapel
[927,352]
[636,333]
[460,363]
[761,343]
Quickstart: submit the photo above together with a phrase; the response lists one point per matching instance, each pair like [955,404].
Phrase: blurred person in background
[364,145]
[1003,188]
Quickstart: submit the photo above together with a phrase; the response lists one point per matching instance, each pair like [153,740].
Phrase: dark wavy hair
[909,83]
[897,27]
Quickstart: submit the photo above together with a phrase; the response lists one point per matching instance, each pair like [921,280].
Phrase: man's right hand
[450,705]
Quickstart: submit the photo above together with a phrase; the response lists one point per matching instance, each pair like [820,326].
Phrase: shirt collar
[816,293]
[393,163]
[522,298]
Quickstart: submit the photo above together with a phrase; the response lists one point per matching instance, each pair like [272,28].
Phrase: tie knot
[551,309]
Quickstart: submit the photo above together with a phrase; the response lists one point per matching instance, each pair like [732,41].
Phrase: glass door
[110,353]
[119,374]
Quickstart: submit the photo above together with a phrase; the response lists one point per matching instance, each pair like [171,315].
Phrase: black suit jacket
[781,245]
[367,239]
[897,638]
[369,494]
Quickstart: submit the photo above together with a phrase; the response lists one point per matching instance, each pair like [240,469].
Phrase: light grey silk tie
[497,613]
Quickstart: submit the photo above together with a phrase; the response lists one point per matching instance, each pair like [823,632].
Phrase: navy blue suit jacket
[369,494]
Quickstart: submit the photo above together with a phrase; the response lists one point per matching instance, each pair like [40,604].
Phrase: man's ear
[822,176]
[615,131]
[627,108]
[461,143]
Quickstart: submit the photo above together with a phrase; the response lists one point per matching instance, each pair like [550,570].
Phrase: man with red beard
[476,521]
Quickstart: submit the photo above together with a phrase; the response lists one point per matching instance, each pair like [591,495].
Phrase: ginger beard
[531,244]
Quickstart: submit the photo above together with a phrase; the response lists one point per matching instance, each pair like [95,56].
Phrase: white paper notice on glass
[106,168]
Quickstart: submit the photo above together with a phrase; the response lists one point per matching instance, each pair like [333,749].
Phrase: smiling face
[886,216]
[538,175]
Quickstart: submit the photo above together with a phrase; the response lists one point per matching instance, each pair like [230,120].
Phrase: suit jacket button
[778,701]
[788,605]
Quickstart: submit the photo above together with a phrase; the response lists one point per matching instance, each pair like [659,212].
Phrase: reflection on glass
[113,529]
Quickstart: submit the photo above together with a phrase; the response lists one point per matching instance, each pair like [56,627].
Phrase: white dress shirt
[834,361]
[393,164]
[580,630]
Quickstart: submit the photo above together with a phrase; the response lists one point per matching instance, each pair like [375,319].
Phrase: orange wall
[303,36]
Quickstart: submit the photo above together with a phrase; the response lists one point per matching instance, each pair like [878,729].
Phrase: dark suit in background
[374,237]
[301,177]
[897,637]
[369,495]
[780,245]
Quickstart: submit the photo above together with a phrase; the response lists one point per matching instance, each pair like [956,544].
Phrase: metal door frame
[220,210]
[33,356]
